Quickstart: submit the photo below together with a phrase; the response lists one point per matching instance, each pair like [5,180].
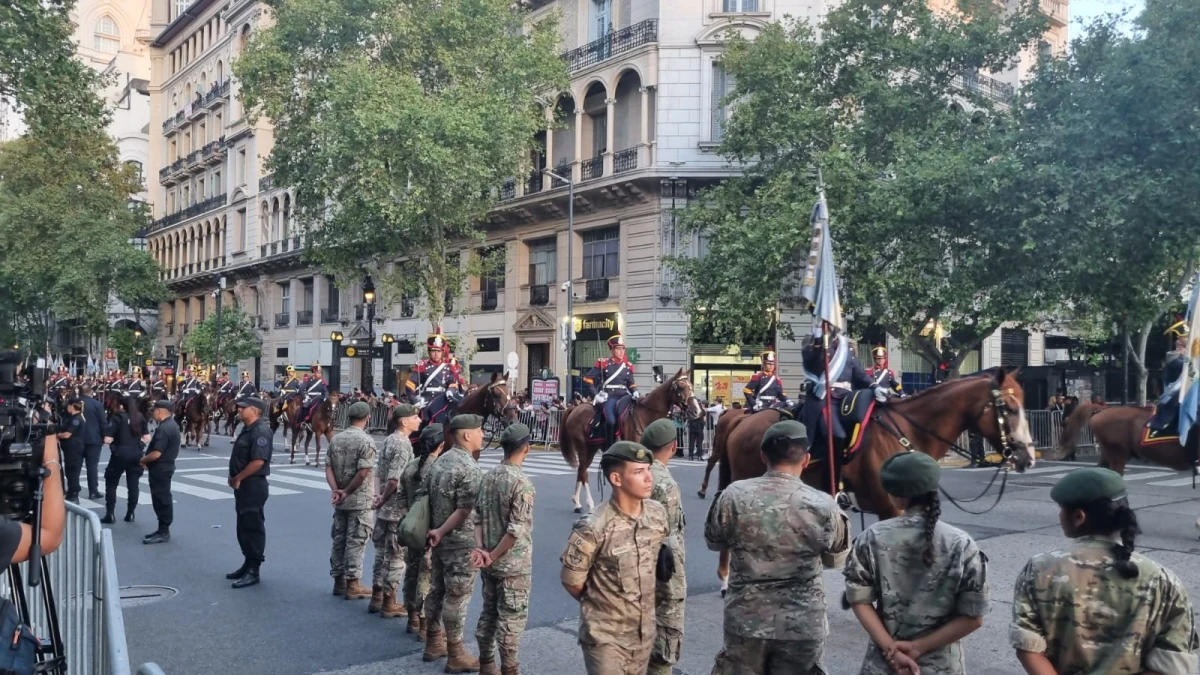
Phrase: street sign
[353,352]
[149,362]
[164,363]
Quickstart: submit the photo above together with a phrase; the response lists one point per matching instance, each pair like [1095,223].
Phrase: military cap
[515,433]
[464,422]
[74,400]
[431,432]
[910,474]
[164,405]
[358,410]
[251,402]
[789,429]
[629,452]
[404,410]
[1084,486]
[659,434]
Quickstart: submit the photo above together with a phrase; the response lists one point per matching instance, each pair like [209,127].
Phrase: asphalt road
[291,624]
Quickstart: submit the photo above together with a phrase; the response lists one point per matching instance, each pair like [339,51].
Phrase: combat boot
[488,667]
[108,518]
[339,585]
[390,609]
[414,624]
[509,668]
[376,599]
[460,660]
[356,591]
[435,643]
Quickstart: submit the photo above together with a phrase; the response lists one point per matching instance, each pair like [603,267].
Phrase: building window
[107,37]
[241,167]
[306,303]
[285,298]
[722,86]
[734,6]
[543,262]
[137,166]
[1014,347]
[333,297]
[492,281]
[601,253]
[489,344]
[601,23]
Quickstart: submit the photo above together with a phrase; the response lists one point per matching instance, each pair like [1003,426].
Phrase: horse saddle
[598,429]
[854,414]
[1163,425]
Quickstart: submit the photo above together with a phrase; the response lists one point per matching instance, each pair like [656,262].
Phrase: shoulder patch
[260,442]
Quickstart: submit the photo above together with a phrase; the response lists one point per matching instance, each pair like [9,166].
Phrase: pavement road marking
[292,480]
[176,486]
[1178,482]
[272,489]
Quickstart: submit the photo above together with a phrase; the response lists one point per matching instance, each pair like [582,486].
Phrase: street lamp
[368,289]
[335,361]
[388,379]
[570,275]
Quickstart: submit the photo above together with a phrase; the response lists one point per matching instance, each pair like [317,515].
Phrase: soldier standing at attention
[612,562]
[669,597]
[1095,606]
[917,585]
[389,555]
[780,533]
[249,466]
[453,486]
[348,469]
[504,552]
[418,562]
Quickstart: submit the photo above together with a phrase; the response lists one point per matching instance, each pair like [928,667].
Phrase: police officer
[609,381]
[764,387]
[71,447]
[124,460]
[160,460]
[249,466]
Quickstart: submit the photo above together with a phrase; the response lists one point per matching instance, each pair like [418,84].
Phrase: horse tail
[1076,421]
[566,444]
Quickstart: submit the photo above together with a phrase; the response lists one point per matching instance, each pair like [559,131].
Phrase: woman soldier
[917,585]
[416,562]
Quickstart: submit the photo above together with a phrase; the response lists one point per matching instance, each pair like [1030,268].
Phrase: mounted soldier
[246,389]
[291,387]
[609,381]
[191,387]
[1165,420]
[137,386]
[158,388]
[765,389]
[436,384]
[881,375]
[225,389]
[315,393]
[60,386]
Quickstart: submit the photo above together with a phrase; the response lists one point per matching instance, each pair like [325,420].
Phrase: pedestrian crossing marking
[1178,482]
[217,480]
[1148,475]
[292,480]
[177,486]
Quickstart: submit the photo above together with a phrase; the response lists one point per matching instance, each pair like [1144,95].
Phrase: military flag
[820,277]
[1189,391]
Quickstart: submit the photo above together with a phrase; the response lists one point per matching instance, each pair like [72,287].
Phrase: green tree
[394,121]
[238,339]
[885,104]
[127,345]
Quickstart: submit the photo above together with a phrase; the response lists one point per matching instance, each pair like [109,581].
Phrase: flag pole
[833,487]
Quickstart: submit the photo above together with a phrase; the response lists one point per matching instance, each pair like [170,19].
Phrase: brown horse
[229,415]
[488,400]
[656,405]
[283,411]
[195,418]
[725,423]
[990,404]
[319,424]
[1118,433]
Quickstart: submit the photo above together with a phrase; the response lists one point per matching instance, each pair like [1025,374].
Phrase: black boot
[129,514]
[239,572]
[250,578]
[108,518]
[157,538]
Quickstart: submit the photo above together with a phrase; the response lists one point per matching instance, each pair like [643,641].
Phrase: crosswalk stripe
[292,480]
[535,470]
[1148,475]
[1178,482]
[217,480]
[194,490]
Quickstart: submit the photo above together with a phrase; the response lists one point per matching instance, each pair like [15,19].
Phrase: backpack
[18,654]
[415,526]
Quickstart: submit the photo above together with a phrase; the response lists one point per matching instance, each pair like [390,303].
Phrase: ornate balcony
[217,95]
[267,182]
[539,295]
[304,317]
[625,160]
[283,320]
[597,289]
[591,168]
[508,189]
[534,182]
[201,207]
[617,42]
[989,87]
[329,315]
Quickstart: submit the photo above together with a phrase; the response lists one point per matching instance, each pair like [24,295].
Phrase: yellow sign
[149,362]
[601,324]
[351,351]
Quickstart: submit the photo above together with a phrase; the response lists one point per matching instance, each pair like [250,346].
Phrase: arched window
[107,37]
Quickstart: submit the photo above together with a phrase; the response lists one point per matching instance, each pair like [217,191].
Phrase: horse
[229,415]
[573,440]
[283,412]
[725,424]
[195,419]
[989,403]
[320,423]
[1119,432]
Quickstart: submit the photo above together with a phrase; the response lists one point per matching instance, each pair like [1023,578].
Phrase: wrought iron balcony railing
[329,315]
[591,168]
[488,302]
[616,42]
[304,317]
[266,182]
[597,289]
[283,320]
[539,294]
[625,160]
[534,182]
[987,86]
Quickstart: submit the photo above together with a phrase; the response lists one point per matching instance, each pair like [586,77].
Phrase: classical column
[644,143]
[575,169]
[609,125]
[548,183]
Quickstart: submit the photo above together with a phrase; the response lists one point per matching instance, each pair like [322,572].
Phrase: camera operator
[16,538]
[71,445]
[125,454]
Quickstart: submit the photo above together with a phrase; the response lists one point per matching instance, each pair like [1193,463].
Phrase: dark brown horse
[656,405]
[229,415]
[194,415]
[725,423]
[283,412]
[990,404]
[488,400]
[320,423]
[1118,433]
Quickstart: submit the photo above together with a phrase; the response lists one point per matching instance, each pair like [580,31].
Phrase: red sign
[543,391]
[110,354]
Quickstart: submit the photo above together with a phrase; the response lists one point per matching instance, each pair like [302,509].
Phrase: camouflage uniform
[1072,606]
[389,555]
[780,533]
[505,506]
[613,557]
[452,484]
[885,569]
[669,597]
[351,451]
[416,562]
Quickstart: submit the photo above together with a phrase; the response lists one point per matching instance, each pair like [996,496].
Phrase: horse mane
[948,385]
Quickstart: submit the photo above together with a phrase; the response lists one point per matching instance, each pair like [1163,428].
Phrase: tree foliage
[914,166]
[127,345]
[238,339]
[395,120]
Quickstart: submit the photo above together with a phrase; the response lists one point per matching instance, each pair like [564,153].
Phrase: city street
[291,623]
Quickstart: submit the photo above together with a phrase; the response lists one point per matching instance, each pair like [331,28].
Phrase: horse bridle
[997,401]
[677,393]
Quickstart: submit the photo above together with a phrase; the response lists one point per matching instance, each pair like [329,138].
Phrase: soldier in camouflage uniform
[418,562]
[612,562]
[504,552]
[1096,606]
[348,469]
[660,439]
[452,486]
[916,584]
[780,533]
[389,555]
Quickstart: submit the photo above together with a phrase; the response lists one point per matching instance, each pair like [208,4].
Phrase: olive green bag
[415,526]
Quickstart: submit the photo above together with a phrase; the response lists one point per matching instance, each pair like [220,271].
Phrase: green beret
[514,433]
[630,452]
[463,422]
[910,474]
[1084,486]
[659,434]
[432,431]
[404,410]
[789,429]
[358,410]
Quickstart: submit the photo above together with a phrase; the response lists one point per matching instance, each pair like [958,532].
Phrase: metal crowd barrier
[82,575]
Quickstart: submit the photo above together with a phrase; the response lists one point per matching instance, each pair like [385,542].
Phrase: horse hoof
[579,509]
[307,463]
[291,461]
[700,494]
[722,592]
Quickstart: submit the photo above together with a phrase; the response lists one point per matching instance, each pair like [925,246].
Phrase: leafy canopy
[238,338]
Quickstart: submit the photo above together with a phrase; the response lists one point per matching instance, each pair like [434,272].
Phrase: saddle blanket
[1163,425]
[595,432]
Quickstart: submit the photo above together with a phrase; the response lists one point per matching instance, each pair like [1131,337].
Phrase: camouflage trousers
[614,659]
[389,555]
[668,642]
[351,531]
[452,580]
[416,579]
[503,616]
[750,656]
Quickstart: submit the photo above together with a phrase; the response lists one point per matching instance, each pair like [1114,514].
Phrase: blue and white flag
[91,365]
[820,276]
[1189,393]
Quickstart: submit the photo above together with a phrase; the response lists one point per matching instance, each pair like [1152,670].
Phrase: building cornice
[175,27]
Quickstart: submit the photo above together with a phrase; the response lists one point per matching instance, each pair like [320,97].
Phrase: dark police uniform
[72,453]
[125,459]
[166,440]
[249,500]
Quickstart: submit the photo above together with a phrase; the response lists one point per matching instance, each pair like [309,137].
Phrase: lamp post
[335,361]
[388,379]
[569,287]
[368,288]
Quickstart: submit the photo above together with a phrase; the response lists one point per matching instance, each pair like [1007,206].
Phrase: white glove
[881,394]
[421,402]
[637,395]
[600,398]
